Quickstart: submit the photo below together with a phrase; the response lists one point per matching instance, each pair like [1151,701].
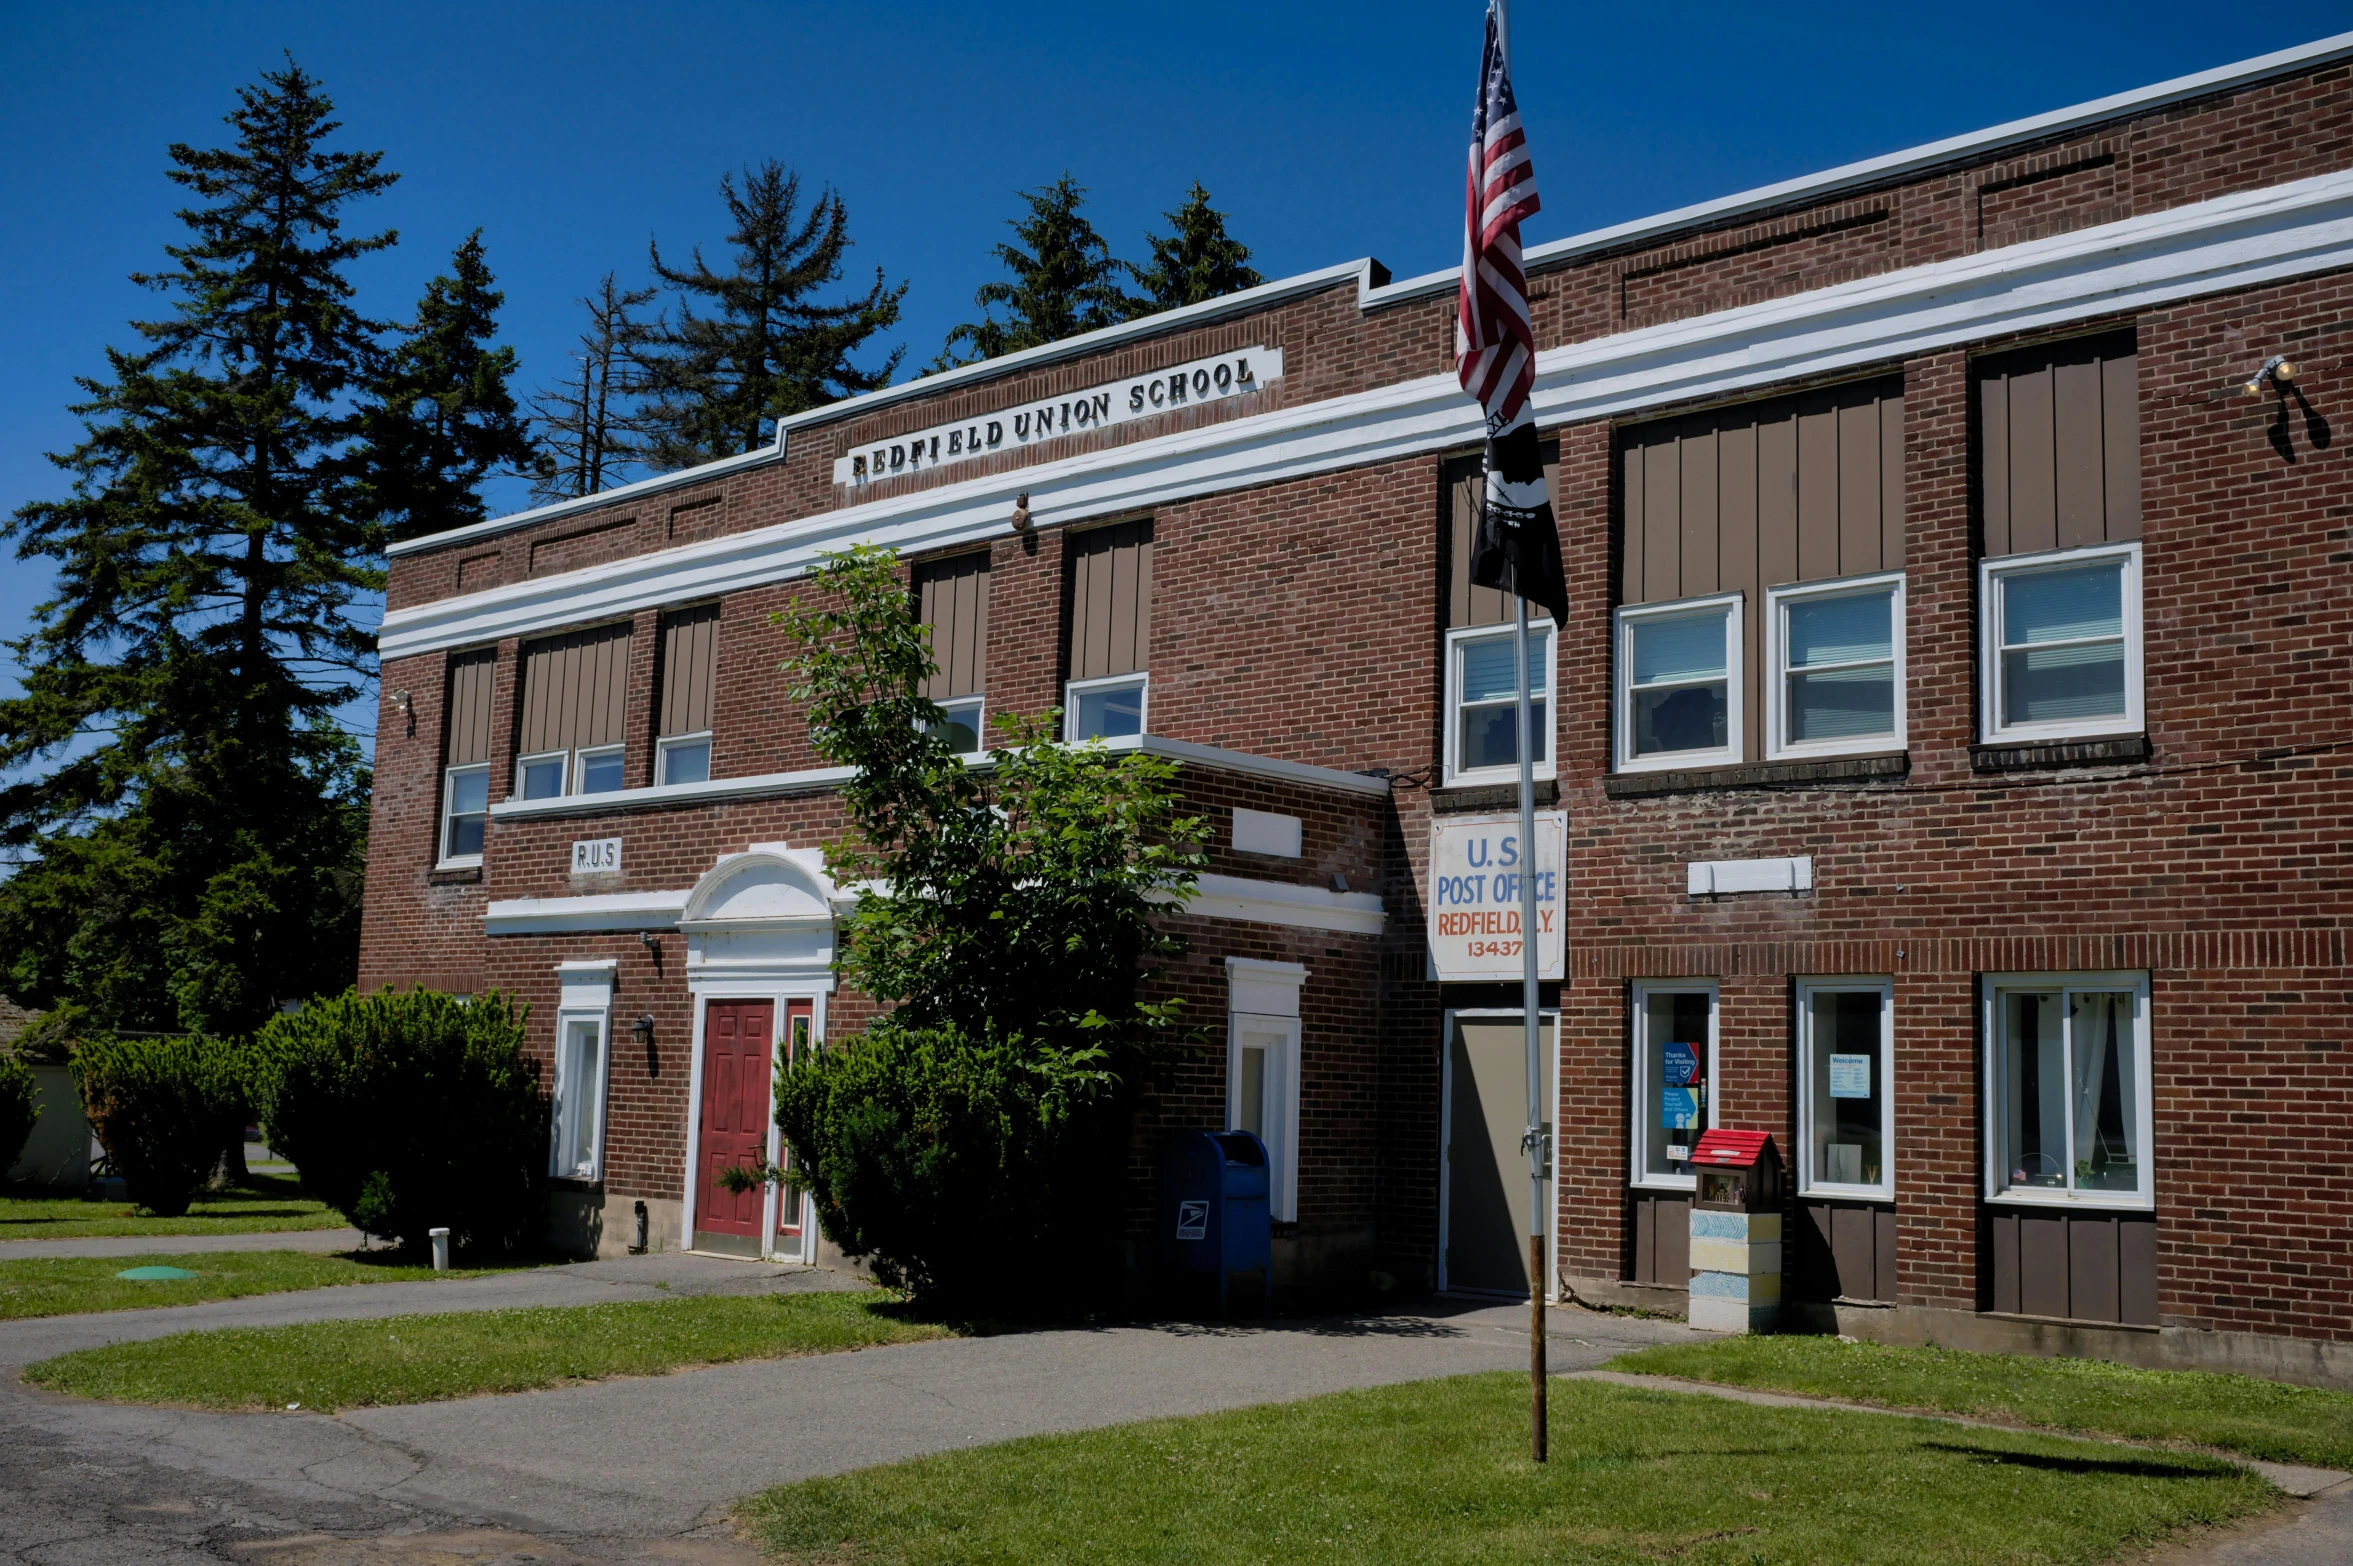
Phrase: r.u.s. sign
[1475,870]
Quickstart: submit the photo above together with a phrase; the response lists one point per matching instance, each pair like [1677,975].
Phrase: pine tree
[188,821]
[439,418]
[715,382]
[1199,261]
[1064,282]
[589,430]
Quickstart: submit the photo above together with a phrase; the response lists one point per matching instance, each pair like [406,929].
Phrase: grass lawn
[2234,1413]
[69,1285]
[328,1365]
[1439,1472]
[265,1202]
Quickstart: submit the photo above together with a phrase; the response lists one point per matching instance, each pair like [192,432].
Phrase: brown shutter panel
[952,597]
[2059,445]
[690,669]
[575,690]
[1464,482]
[1111,600]
[468,713]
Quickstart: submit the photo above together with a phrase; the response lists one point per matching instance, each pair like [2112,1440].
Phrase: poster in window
[1683,1087]
[1850,1076]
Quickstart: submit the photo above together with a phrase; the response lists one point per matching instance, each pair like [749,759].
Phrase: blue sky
[572,133]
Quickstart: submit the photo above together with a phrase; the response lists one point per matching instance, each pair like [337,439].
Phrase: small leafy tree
[405,1112]
[19,1108]
[162,1108]
[1009,920]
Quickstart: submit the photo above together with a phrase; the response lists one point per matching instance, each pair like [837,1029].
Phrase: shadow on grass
[2123,1467]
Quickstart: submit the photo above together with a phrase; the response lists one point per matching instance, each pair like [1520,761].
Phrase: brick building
[1948,743]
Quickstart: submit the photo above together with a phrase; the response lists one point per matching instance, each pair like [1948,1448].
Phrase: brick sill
[1503,796]
[1763,774]
[2068,753]
[463,875]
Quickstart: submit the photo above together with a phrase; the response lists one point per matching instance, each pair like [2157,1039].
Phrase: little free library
[1945,766]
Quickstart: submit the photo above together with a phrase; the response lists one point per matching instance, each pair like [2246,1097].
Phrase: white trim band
[565,915]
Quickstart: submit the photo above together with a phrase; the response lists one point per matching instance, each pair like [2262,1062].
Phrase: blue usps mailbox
[1213,1212]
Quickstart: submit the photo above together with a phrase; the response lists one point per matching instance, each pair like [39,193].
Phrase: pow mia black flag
[1518,546]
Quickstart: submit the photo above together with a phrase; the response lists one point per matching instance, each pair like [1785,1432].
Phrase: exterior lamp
[2278,372]
[407,707]
[643,1027]
[1021,523]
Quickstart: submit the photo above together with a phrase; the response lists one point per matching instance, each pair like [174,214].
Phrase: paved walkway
[170,1244]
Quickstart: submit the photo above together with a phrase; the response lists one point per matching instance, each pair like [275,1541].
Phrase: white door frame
[1448,1018]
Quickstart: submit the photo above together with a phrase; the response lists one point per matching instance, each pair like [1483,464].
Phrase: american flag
[1518,548]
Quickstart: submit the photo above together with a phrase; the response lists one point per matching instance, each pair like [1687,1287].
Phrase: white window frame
[449,776]
[1777,671]
[562,758]
[579,771]
[1263,998]
[1641,1091]
[1992,576]
[1456,773]
[1808,1183]
[586,997]
[1735,679]
[669,742]
[980,720]
[1997,1101]
[1141,680]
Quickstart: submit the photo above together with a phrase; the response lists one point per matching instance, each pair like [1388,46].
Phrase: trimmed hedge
[163,1109]
[407,1112]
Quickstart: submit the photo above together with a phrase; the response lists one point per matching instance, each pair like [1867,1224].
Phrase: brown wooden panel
[2003,1229]
[471,676]
[2136,1271]
[1993,433]
[2079,465]
[2034,520]
[1884,1252]
[1817,488]
[2091,1267]
[1662,508]
[1859,492]
[1816,1271]
[2042,1264]
[575,690]
[1674,1257]
[952,596]
[1466,603]
[690,665]
[1701,540]
[1631,490]
[1110,600]
[1891,482]
[1850,1251]
[1776,497]
[2120,440]
[1646,1240]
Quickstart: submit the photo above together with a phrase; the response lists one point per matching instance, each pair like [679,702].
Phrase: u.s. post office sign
[1048,418]
[1475,871]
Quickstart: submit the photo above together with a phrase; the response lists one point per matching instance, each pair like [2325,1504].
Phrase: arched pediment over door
[761,918]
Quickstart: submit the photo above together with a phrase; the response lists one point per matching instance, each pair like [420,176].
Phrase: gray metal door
[1486,1173]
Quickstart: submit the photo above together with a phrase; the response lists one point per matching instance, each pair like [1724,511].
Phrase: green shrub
[161,1108]
[18,1111]
[960,1166]
[410,1112]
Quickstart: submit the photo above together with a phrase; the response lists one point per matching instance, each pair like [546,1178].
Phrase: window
[1674,1070]
[690,672]
[1262,1069]
[952,600]
[1679,684]
[465,787]
[1110,618]
[1482,703]
[1104,709]
[1846,1103]
[572,714]
[576,1131]
[2070,1079]
[1836,652]
[2062,643]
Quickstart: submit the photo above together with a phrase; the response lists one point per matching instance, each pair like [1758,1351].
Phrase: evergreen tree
[589,429]
[764,346]
[1200,261]
[188,822]
[439,418]
[1065,282]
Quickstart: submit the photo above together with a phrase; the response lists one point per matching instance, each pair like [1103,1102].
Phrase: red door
[735,1113]
[798,1017]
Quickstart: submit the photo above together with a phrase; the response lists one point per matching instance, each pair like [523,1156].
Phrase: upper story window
[690,675]
[1761,581]
[573,714]
[1110,618]
[2069,1088]
[1482,734]
[465,778]
[952,598]
[2059,589]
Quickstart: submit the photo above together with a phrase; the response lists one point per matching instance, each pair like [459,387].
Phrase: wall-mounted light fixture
[407,707]
[2278,374]
[1021,523]
[643,1027]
